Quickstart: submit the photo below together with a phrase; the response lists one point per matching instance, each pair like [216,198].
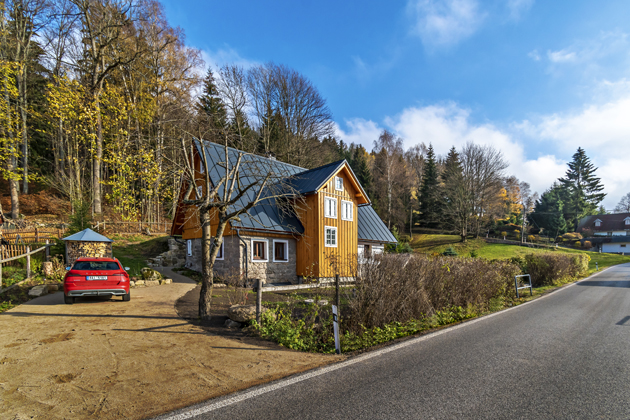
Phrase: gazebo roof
[87,235]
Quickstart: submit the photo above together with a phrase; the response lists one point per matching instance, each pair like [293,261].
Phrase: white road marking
[283,383]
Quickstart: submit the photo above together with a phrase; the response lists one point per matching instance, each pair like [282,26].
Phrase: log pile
[76,249]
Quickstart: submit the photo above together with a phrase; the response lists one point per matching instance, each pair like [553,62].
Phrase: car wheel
[127,297]
[68,299]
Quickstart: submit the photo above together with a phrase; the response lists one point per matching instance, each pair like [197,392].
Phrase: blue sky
[533,79]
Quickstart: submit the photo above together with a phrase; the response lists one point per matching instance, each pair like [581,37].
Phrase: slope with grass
[429,244]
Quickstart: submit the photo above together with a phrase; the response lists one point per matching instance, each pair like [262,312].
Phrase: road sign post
[336,328]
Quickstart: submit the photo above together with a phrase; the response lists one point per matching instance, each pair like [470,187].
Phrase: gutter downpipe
[238,233]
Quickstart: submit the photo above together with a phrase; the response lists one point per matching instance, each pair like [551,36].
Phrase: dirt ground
[109,359]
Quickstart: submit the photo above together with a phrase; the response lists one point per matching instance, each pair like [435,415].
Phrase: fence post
[28,262]
[337,297]
[259,300]
[47,251]
[0,267]
[36,235]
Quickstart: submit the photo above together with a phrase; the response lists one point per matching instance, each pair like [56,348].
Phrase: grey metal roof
[372,228]
[312,180]
[266,215]
[87,235]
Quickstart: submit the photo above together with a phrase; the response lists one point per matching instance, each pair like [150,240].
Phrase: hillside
[429,244]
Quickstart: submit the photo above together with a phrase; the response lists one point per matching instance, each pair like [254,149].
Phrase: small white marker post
[336,329]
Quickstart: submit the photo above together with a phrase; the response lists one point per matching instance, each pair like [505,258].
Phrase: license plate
[96,277]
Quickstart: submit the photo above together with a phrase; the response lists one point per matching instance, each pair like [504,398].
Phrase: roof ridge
[338,163]
[208,142]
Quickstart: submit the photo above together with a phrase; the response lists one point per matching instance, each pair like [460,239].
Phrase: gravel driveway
[109,359]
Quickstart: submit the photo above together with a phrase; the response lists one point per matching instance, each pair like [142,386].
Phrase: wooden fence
[133,227]
[9,253]
[31,236]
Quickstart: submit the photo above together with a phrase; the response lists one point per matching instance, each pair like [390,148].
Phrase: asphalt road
[566,355]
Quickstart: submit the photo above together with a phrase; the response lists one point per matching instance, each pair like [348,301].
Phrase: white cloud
[534,55]
[226,55]
[561,56]
[603,131]
[359,131]
[444,22]
[517,8]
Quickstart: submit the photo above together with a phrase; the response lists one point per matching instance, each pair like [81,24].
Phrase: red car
[96,277]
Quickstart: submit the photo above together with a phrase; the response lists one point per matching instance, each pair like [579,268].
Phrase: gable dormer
[627,221]
[598,223]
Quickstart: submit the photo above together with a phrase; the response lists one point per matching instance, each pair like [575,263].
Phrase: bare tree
[482,169]
[389,168]
[106,28]
[624,204]
[415,158]
[527,200]
[243,177]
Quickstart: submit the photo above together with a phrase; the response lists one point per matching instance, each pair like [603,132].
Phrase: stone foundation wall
[235,253]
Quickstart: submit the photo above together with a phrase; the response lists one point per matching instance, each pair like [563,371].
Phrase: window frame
[221,252]
[343,202]
[326,199]
[266,241]
[201,168]
[338,178]
[627,221]
[336,236]
[189,247]
[286,250]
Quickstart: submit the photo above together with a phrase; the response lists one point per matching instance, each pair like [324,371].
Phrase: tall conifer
[429,193]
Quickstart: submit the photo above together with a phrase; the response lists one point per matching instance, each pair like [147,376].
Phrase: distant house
[607,232]
[336,229]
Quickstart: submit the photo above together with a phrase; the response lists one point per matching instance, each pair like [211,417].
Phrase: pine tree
[455,198]
[361,168]
[210,105]
[429,192]
[581,188]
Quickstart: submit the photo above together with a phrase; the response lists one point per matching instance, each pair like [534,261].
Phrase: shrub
[531,238]
[577,244]
[571,237]
[504,234]
[450,252]
[474,253]
[554,268]
[587,245]
[401,288]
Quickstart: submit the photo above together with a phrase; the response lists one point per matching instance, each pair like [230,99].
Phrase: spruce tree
[429,192]
[582,190]
[210,105]
[361,169]
[456,202]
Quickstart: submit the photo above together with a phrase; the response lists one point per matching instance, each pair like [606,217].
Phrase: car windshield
[96,266]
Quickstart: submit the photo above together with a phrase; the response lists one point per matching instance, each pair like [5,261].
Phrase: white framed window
[199,191]
[280,250]
[260,250]
[220,256]
[339,183]
[346,210]
[189,247]
[330,207]
[201,166]
[598,223]
[330,236]
[627,220]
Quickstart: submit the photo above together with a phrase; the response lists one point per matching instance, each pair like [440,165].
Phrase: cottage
[607,232]
[325,237]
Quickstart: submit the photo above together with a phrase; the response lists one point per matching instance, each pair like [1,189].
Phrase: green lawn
[429,244]
[133,250]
